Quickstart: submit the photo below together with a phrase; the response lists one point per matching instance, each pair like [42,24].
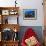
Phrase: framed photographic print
[13,12]
[30,14]
[5,12]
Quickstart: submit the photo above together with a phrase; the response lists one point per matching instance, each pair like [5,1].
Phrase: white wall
[12,20]
[27,4]
[7,3]
[32,4]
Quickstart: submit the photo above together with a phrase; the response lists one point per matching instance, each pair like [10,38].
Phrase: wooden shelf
[11,26]
[3,8]
[4,24]
[9,43]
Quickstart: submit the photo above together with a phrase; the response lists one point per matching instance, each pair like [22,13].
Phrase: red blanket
[29,33]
